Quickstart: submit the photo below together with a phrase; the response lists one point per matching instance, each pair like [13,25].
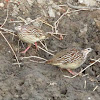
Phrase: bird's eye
[89,49]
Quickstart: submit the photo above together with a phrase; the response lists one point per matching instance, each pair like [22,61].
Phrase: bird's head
[86,51]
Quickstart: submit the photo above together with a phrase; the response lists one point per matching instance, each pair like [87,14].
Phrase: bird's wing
[69,56]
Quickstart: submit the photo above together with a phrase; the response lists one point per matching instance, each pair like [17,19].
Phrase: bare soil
[35,81]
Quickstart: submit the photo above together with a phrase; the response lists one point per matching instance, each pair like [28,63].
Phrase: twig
[8,31]
[95,88]
[94,59]
[57,22]
[83,69]
[85,84]
[67,12]
[53,33]
[43,45]
[45,50]
[22,19]
[5,38]
[11,48]
[42,62]
[43,21]
[33,57]
[15,21]
[20,63]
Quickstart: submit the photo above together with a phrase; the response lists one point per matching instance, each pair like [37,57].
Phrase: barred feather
[70,58]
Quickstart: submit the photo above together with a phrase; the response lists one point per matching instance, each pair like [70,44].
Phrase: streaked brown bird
[30,34]
[70,58]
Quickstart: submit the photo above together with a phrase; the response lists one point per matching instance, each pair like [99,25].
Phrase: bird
[70,58]
[30,34]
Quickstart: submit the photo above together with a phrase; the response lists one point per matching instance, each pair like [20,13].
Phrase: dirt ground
[38,81]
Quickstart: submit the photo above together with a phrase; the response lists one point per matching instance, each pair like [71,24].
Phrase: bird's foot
[26,50]
[74,73]
[71,72]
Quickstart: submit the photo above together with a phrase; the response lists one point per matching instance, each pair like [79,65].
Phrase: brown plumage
[71,58]
[30,33]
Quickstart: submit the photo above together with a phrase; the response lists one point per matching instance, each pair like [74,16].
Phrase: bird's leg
[73,73]
[61,37]
[29,45]
[36,46]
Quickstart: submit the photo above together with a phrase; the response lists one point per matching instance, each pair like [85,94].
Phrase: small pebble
[1,5]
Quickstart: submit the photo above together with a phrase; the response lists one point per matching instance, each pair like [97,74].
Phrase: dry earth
[34,81]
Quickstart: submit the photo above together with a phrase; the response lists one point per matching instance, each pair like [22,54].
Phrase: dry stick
[55,37]
[53,33]
[45,50]
[21,63]
[22,19]
[83,69]
[85,84]
[33,57]
[39,19]
[15,21]
[4,36]
[10,47]
[57,22]
[7,30]
[43,45]
[43,21]
[95,88]
[93,59]
[67,12]
[42,62]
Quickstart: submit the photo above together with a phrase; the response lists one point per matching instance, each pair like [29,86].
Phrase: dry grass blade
[43,21]
[53,34]
[45,50]
[8,31]
[40,62]
[95,88]
[43,45]
[67,12]
[85,84]
[22,19]
[5,38]
[37,57]
[11,48]
[33,57]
